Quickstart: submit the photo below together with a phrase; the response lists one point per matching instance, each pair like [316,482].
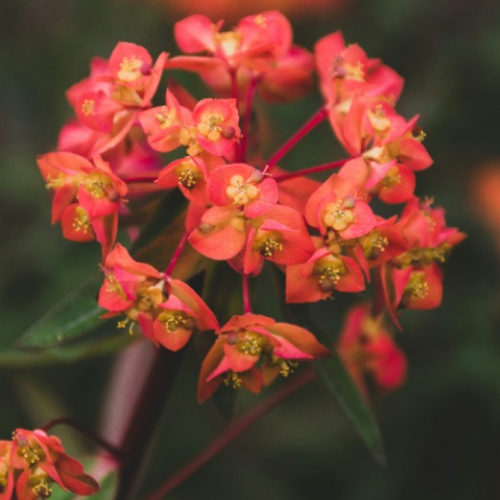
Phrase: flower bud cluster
[325,236]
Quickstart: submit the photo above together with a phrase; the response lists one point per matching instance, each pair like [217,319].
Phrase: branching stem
[312,123]
[311,170]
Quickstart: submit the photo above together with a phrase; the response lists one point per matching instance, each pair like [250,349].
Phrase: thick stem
[311,170]
[176,255]
[144,420]
[312,123]
[247,306]
[113,450]
[230,434]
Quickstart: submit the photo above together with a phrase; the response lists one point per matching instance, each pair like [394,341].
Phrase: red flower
[37,460]
[367,349]
[245,341]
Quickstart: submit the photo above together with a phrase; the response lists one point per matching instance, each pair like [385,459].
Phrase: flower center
[81,221]
[270,246]
[88,107]
[166,118]
[338,215]
[329,271]
[240,191]
[130,69]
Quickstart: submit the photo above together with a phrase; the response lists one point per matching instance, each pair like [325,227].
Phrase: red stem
[86,432]
[230,434]
[311,170]
[247,306]
[246,119]
[314,121]
[176,255]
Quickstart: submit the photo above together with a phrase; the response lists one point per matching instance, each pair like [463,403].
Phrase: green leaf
[77,316]
[91,346]
[70,319]
[339,384]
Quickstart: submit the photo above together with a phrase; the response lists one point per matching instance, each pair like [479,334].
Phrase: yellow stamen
[88,107]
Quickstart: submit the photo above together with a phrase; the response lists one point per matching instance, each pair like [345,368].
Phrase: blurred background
[442,429]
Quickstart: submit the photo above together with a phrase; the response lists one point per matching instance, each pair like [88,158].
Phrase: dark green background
[442,430]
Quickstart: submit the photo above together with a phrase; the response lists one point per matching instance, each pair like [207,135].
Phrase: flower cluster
[32,460]
[325,236]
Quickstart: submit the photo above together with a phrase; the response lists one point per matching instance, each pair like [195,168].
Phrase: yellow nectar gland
[260,20]
[373,245]
[417,287]
[166,118]
[329,271]
[97,184]
[148,298]
[88,107]
[241,191]
[287,366]
[31,453]
[188,174]
[379,120]
[247,342]
[54,182]
[425,256]
[174,320]
[130,69]
[392,178]
[229,41]
[187,137]
[40,483]
[338,218]
[81,221]
[270,246]
[209,126]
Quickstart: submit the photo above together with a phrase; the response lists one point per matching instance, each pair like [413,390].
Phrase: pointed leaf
[341,387]
[70,319]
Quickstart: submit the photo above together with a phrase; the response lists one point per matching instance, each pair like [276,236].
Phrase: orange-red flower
[368,350]
[32,461]
[252,350]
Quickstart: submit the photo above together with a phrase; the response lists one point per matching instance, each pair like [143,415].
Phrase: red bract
[183,313]
[321,275]
[96,189]
[35,461]
[107,102]
[245,341]
[347,71]
[338,206]
[259,49]
[242,186]
[190,175]
[163,124]
[368,350]
[279,236]
[167,310]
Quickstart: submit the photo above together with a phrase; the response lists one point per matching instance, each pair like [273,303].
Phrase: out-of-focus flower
[368,350]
